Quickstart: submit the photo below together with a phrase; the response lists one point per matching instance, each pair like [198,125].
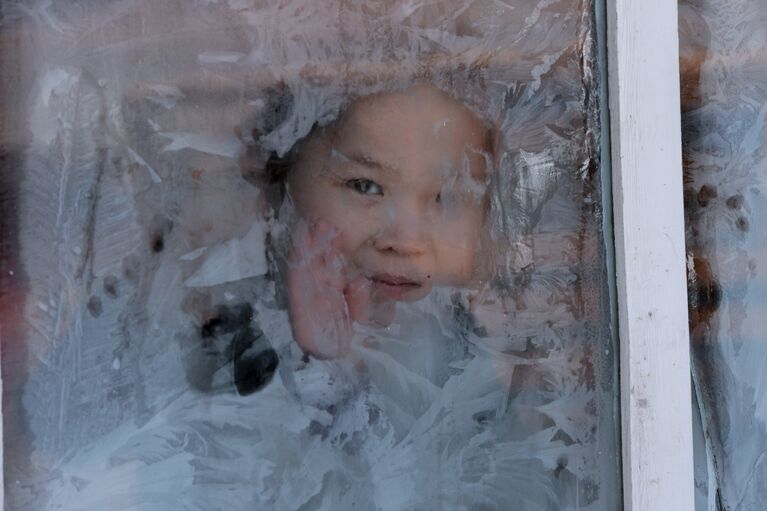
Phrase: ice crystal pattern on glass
[724,92]
[154,364]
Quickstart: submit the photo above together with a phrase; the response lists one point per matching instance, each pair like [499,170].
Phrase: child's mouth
[394,287]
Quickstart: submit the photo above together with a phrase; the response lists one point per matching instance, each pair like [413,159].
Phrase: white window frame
[646,150]
[645,140]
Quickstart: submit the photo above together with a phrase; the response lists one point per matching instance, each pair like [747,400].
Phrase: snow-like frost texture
[722,44]
[147,241]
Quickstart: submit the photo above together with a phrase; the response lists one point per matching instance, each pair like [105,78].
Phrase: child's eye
[365,186]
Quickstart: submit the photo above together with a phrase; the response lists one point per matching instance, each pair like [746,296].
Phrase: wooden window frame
[646,152]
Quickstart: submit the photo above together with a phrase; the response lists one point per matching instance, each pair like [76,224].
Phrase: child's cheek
[325,203]
[457,255]
[351,237]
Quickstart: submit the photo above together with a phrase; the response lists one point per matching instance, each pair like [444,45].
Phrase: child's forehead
[424,103]
[398,133]
[412,122]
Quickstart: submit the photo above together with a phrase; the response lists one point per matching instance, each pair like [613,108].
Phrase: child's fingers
[316,282]
[321,236]
[309,241]
[302,244]
[327,259]
[314,254]
[358,299]
[331,329]
[318,318]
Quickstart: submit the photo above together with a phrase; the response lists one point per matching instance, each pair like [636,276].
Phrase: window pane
[305,256]
[724,88]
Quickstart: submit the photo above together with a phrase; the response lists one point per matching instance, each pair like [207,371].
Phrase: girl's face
[401,180]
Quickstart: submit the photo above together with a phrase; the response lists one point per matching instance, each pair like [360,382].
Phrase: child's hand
[324,297]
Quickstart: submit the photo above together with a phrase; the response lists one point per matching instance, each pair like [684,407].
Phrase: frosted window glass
[300,255]
[724,89]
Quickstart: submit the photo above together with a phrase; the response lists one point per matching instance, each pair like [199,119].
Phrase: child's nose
[405,233]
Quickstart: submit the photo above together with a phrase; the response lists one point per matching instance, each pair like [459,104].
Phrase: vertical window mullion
[650,255]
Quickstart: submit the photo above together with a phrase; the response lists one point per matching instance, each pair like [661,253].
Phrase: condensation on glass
[302,255]
[724,93]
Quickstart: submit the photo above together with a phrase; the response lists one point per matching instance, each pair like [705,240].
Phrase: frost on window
[300,255]
[724,92]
